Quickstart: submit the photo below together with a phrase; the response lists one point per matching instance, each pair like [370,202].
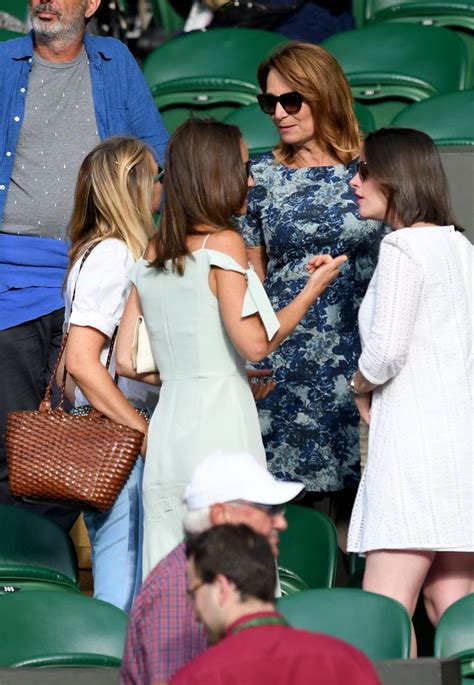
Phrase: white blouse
[101,294]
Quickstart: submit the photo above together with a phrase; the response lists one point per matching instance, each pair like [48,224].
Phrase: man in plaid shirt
[163,634]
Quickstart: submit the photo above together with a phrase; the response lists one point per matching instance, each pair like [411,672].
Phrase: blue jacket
[32,269]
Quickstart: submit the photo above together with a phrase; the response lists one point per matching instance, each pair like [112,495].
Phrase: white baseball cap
[228,476]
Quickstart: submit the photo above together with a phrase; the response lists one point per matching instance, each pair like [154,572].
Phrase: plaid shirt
[163,634]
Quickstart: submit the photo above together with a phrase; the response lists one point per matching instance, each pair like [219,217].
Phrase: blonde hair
[113,197]
[314,72]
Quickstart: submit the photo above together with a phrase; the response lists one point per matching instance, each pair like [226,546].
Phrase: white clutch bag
[142,356]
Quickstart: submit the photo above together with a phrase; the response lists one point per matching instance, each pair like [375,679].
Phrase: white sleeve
[102,287]
[397,295]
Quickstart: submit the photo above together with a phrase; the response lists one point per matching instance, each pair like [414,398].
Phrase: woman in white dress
[206,314]
[413,516]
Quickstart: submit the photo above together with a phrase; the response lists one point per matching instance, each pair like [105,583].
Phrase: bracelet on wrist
[353,389]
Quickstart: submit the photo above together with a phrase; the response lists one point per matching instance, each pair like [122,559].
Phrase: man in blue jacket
[61,92]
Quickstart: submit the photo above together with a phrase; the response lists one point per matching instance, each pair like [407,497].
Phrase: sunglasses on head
[363,171]
[291,102]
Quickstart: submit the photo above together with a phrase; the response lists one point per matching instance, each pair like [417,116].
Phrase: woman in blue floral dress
[302,205]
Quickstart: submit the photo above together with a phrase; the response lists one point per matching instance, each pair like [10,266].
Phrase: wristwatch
[352,388]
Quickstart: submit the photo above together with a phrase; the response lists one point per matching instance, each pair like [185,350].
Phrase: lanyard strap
[260,621]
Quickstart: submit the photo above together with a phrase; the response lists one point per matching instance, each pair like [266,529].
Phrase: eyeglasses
[247,167]
[363,170]
[191,591]
[159,176]
[270,509]
[291,102]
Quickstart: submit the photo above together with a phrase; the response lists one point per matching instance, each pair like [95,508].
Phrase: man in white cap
[163,634]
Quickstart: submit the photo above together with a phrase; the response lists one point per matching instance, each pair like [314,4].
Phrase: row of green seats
[389,66]
[456,15]
[448,119]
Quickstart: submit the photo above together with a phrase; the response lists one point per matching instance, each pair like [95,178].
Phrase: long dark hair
[204,183]
[407,167]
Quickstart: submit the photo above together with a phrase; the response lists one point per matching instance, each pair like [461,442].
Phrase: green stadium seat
[8,35]
[16,8]
[35,551]
[260,133]
[457,15]
[428,12]
[358,10]
[448,119]
[165,16]
[455,631]
[209,73]
[392,65]
[375,624]
[258,129]
[454,635]
[308,548]
[60,629]
[364,117]
[290,582]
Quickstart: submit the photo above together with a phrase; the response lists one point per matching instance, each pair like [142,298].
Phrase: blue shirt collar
[23,48]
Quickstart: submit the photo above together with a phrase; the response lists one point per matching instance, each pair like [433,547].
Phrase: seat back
[207,72]
[448,119]
[166,17]
[457,15]
[400,64]
[9,35]
[455,630]
[290,582]
[16,8]
[257,128]
[427,12]
[32,547]
[308,548]
[59,628]
[375,624]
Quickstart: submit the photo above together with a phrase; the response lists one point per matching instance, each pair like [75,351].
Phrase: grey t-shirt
[58,130]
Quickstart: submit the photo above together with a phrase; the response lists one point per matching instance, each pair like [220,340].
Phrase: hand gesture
[260,383]
[323,269]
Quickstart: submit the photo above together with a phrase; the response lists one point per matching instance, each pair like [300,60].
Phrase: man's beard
[62,28]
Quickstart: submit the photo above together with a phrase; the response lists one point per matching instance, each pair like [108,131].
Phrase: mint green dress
[205,401]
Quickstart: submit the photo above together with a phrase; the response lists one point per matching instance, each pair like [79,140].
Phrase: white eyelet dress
[416,319]
[205,402]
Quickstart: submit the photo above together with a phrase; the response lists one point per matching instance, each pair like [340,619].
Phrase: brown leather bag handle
[45,403]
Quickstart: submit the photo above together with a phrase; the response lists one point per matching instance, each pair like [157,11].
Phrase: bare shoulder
[231,243]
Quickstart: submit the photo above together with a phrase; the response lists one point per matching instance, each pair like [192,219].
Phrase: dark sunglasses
[291,102]
[363,171]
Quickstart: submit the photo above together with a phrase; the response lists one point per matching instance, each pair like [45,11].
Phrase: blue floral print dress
[309,423]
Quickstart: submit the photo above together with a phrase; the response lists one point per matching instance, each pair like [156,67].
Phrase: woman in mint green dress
[207,313]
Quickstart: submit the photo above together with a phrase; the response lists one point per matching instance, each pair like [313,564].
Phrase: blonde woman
[111,215]
[302,205]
